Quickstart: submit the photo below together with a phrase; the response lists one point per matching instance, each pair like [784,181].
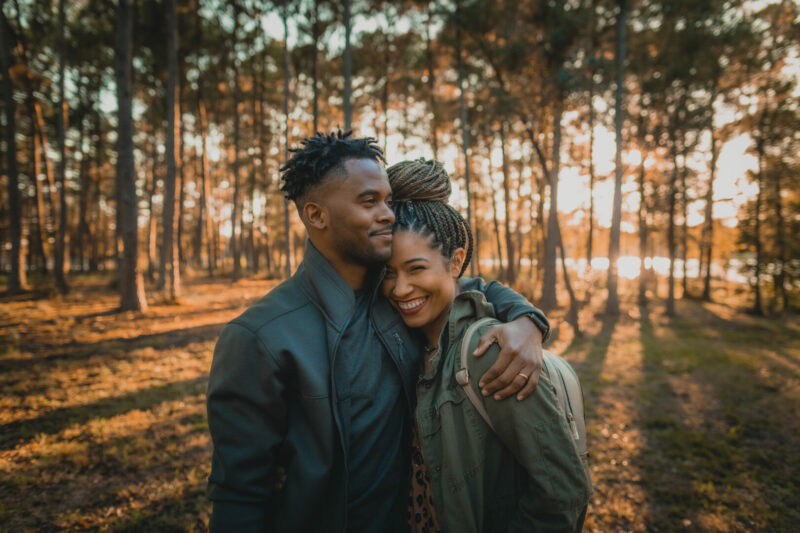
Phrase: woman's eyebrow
[416,259]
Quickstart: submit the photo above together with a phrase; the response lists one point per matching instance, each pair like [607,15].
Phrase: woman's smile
[410,307]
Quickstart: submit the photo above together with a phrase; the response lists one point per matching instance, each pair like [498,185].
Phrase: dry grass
[694,421]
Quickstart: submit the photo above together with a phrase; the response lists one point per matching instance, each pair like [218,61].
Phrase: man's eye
[369,201]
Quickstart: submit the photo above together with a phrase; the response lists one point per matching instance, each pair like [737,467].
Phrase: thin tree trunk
[549,299]
[708,225]
[501,271]
[431,85]
[314,74]
[17,280]
[780,245]
[286,229]
[169,268]
[612,304]
[592,177]
[348,90]
[83,196]
[511,274]
[61,253]
[41,246]
[151,219]
[673,181]
[132,297]
[642,215]
[757,307]
[684,226]
[235,214]
[463,114]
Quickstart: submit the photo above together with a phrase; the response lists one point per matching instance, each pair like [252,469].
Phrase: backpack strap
[462,376]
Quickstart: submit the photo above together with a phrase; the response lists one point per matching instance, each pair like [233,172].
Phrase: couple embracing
[333,402]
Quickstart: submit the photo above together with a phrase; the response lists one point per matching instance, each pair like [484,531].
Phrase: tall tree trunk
[501,269]
[549,300]
[151,216]
[708,224]
[132,297]
[780,247]
[169,269]
[348,91]
[684,226]
[314,74]
[757,307]
[17,280]
[463,115]
[642,215]
[612,304]
[286,228]
[181,186]
[511,274]
[592,177]
[235,212]
[61,254]
[431,84]
[83,196]
[204,219]
[41,246]
[673,183]
[46,221]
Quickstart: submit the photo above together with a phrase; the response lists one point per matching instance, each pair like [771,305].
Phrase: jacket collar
[468,306]
[332,294]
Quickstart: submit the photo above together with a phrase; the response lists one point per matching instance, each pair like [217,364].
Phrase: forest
[630,166]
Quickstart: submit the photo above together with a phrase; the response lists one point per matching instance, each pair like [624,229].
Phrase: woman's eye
[417,268]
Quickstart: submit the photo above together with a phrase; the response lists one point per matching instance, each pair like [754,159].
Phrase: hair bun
[419,180]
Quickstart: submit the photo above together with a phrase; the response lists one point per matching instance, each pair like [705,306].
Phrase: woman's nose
[401,287]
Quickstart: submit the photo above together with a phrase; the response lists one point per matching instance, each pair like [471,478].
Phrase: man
[311,390]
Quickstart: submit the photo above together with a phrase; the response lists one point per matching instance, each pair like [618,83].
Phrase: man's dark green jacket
[279,461]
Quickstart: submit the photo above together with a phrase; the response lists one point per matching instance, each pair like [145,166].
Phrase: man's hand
[519,362]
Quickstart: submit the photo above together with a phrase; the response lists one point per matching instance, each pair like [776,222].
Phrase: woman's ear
[315,215]
[456,261]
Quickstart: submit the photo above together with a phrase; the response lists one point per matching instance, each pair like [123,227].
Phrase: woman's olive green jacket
[526,477]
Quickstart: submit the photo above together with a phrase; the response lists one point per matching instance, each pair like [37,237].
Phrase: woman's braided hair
[420,190]
[321,154]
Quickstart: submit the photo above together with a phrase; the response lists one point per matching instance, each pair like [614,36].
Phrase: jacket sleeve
[536,432]
[508,304]
[247,421]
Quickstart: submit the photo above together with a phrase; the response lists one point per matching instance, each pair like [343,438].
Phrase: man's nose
[386,215]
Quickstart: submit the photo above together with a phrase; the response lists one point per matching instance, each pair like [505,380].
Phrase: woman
[526,476]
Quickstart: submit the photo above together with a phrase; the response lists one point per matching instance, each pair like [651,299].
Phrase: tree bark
[642,216]
[463,115]
[348,90]
[235,212]
[757,307]
[61,253]
[549,299]
[169,276]
[708,224]
[431,84]
[612,304]
[132,297]
[673,181]
[286,228]
[17,280]
[511,273]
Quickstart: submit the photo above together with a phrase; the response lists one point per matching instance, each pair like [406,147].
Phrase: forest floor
[693,422]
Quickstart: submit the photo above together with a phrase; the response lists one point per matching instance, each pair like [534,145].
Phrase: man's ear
[316,215]
[456,261]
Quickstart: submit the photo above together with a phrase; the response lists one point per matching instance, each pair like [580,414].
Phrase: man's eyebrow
[371,192]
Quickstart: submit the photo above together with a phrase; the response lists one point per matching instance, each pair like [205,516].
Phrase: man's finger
[530,386]
[497,369]
[511,381]
[486,340]
[501,374]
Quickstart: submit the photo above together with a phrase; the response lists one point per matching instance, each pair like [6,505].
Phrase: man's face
[361,217]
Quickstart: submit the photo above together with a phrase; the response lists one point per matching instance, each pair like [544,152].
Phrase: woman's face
[420,283]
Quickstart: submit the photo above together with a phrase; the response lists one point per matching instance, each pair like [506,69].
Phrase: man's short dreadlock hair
[419,199]
[322,154]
